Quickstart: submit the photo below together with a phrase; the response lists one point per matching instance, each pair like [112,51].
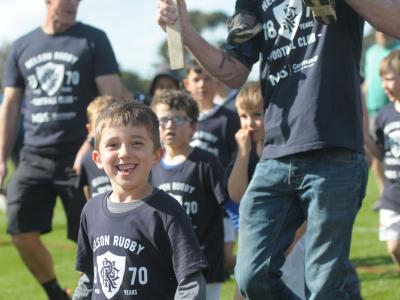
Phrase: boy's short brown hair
[97,105]
[179,100]
[123,113]
[390,63]
[249,96]
[193,65]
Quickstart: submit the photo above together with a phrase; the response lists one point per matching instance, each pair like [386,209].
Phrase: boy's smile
[126,155]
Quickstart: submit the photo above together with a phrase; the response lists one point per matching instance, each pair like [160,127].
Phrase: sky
[129,24]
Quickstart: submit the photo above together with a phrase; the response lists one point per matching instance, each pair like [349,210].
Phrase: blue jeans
[324,187]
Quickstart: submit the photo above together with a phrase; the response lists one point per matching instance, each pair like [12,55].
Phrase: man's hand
[167,15]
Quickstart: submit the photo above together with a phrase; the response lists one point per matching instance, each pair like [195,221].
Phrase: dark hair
[124,113]
[179,100]
[193,65]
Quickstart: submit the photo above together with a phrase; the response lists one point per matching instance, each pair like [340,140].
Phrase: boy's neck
[122,196]
[176,155]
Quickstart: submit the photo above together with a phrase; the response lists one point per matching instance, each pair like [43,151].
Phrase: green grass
[376,270]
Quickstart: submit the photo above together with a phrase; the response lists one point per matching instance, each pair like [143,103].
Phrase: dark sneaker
[323,10]
[242,26]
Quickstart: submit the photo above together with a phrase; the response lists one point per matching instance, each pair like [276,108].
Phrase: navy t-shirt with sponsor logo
[388,135]
[196,184]
[216,133]
[58,74]
[139,254]
[95,178]
[309,77]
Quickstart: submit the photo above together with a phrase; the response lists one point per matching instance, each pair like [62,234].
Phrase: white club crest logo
[111,270]
[394,143]
[288,14]
[50,76]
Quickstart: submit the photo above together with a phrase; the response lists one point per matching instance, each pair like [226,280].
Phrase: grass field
[376,270]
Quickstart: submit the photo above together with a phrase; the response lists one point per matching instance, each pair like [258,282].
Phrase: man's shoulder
[28,37]
[88,28]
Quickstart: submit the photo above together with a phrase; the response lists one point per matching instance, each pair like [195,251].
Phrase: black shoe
[323,10]
[243,26]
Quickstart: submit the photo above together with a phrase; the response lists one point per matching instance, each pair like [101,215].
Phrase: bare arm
[10,112]
[383,15]
[217,62]
[238,179]
[109,85]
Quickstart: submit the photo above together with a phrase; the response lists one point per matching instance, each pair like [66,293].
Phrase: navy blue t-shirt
[58,75]
[139,254]
[309,77]
[95,178]
[388,135]
[216,133]
[196,184]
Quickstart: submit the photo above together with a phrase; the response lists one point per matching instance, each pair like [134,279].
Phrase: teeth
[126,167]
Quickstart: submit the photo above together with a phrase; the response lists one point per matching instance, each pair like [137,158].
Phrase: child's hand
[243,140]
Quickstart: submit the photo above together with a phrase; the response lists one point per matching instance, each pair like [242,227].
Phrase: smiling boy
[136,241]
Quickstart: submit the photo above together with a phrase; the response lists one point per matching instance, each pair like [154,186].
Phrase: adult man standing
[312,166]
[59,67]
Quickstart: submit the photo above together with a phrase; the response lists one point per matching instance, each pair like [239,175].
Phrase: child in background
[217,125]
[193,177]
[135,242]
[386,147]
[93,180]
[164,79]
[216,128]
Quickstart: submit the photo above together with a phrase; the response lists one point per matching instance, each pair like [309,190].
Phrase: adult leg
[35,255]
[31,200]
[332,189]
[268,219]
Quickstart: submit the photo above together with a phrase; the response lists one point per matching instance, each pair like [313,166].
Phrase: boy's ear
[185,83]
[158,154]
[89,128]
[96,157]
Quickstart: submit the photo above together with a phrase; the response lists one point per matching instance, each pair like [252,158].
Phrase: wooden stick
[175,44]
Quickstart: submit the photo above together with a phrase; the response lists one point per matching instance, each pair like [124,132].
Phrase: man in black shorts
[59,67]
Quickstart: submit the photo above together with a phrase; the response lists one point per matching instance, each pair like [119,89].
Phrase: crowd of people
[157,193]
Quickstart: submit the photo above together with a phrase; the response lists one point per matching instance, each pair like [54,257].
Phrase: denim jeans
[324,187]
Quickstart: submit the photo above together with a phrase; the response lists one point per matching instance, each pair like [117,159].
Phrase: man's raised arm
[383,15]
[217,62]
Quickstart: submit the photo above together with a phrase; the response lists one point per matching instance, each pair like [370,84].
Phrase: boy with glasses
[193,177]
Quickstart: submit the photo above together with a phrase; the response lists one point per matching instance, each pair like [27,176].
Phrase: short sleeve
[187,257]
[379,135]
[105,62]
[84,258]
[12,75]
[248,53]
[215,176]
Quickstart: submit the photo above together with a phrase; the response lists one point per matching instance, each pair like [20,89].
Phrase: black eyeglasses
[176,120]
